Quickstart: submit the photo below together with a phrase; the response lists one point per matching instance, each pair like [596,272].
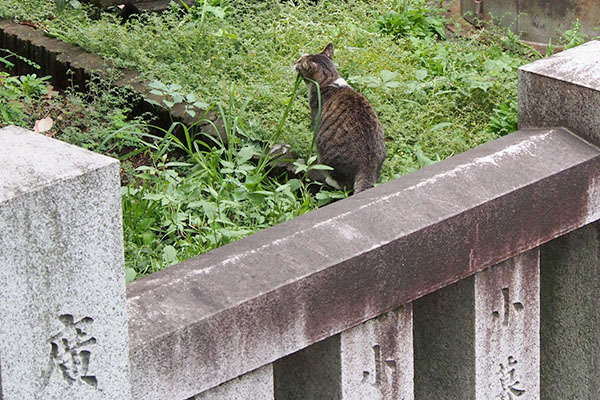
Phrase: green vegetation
[95,121]
[445,96]
[436,96]
[220,193]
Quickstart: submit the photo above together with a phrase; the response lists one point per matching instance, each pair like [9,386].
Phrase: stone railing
[474,278]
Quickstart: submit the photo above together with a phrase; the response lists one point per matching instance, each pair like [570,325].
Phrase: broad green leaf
[148,237]
[421,74]
[201,105]
[60,5]
[228,164]
[130,274]
[158,85]
[169,255]
[387,75]
[216,11]
[294,184]
[321,167]
[190,98]
[154,196]
[245,154]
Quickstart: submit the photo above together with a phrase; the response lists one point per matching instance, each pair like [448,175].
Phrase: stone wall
[537,20]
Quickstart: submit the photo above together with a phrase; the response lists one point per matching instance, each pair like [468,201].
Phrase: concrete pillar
[63,328]
[255,385]
[372,361]
[479,338]
[570,326]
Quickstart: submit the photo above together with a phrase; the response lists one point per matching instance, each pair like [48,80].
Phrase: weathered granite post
[63,328]
[564,90]
[479,339]
[373,360]
[377,358]
[570,326]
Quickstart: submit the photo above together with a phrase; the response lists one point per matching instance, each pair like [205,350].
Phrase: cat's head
[318,67]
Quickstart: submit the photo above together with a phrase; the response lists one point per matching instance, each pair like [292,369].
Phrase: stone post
[563,90]
[372,361]
[63,328]
[570,325]
[479,338]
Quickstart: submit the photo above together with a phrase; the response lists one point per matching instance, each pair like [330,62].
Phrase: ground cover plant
[180,197]
[433,95]
[436,96]
[94,120]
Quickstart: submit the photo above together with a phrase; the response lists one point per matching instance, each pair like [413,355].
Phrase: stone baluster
[479,338]
[570,326]
[373,360]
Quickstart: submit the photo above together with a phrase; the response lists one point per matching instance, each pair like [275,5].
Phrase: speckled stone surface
[274,293]
[479,338]
[373,360]
[570,328]
[563,90]
[507,329]
[63,326]
[377,358]
[255,385]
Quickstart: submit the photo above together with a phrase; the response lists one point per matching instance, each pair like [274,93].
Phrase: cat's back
[350,138]
[349,116]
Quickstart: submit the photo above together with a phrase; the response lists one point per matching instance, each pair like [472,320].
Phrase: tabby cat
[350,137]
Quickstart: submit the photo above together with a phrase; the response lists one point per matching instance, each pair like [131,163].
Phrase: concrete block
[370,361]
[255,385]
[479,338]
[563,90]
[570,327]
[63,327]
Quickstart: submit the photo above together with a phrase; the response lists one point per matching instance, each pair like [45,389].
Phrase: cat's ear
[328,51]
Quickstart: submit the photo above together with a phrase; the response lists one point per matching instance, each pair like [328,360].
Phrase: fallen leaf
[51,134]
[43,125]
